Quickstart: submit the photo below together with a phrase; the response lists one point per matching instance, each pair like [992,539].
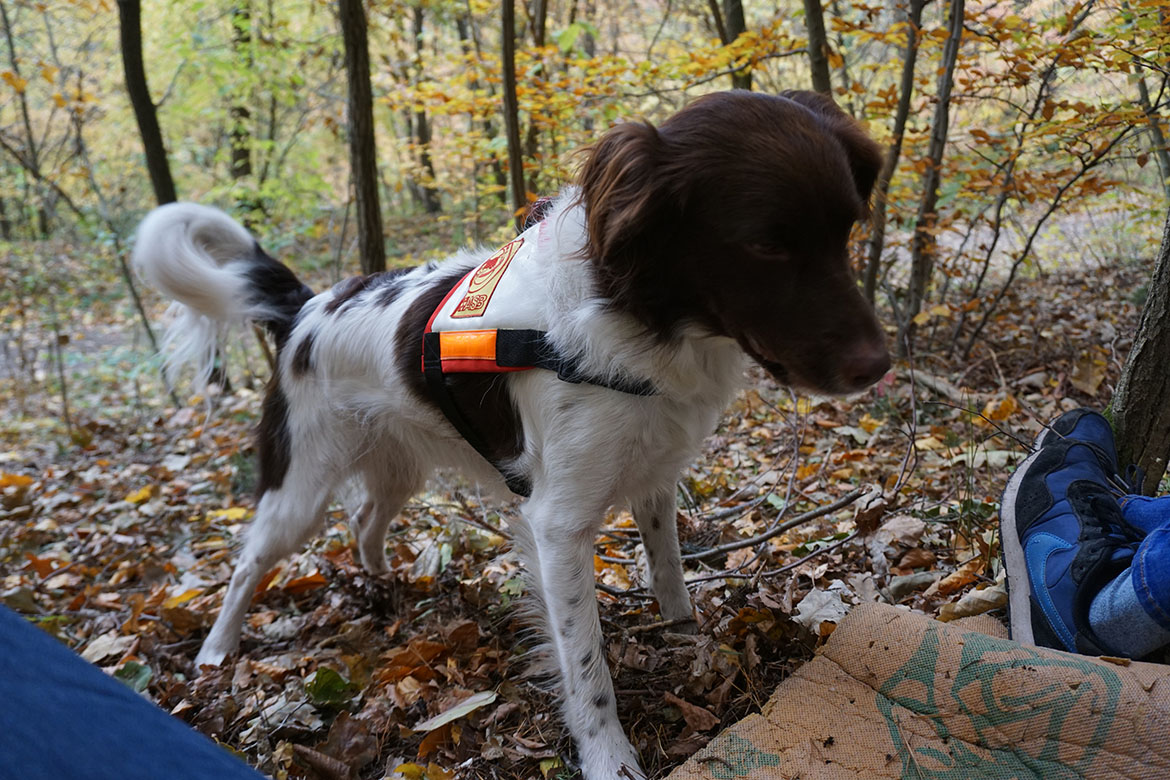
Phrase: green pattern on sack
[909,694]
[738,758]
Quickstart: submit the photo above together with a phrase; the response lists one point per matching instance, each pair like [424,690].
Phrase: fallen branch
[844,501]
[811,555]
[641,629]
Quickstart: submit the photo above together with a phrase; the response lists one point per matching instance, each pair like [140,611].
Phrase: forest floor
[117,535]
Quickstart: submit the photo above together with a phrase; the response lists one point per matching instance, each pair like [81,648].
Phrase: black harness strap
[515,348]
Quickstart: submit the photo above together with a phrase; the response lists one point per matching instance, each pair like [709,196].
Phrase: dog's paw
[613,761]
[209,656]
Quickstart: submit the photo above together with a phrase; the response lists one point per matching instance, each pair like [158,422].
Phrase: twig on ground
[641,629]
[844,501]
[811,555]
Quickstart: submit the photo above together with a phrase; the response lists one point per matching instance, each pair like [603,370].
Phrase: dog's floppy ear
[865,156]
[618,185]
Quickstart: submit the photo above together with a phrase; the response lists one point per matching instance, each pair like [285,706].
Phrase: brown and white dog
[683,250]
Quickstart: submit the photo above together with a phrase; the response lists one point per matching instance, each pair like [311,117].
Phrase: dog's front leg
[560,556]
[656,517]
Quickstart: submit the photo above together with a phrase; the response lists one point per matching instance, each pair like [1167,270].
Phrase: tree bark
[922,245]
[877,230]
[1141,404]
[130,18]
[422,128]
[1157,137]
[818,46]
[512,110]
[241,115]
[736,25]
[362,153]
[469,43]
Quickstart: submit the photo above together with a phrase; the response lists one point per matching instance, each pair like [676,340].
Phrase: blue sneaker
[1063,539]
[1085,425]
[1082,425]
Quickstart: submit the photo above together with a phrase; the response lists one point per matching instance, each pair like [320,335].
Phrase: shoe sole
[1016,566]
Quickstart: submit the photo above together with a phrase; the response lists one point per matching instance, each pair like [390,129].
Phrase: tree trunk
[1141,404]
[736,25]
[240,114]
[467,42]
[877,230]
[362,154]
[130,18]
[1157,137]
[538,24]
[818,46]
[922,245]
[511,110]
[422,128]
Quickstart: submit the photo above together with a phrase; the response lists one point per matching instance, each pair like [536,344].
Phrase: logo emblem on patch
[484,280]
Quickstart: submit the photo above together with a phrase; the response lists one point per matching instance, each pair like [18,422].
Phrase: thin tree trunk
[922,245]
[130,18]
[362,153]
[422,128]
[736,25]
[468,42]
[818,46]
[240,114]
[877,230]
[538,23]
[1141,404]
[1157,137]
[511,109]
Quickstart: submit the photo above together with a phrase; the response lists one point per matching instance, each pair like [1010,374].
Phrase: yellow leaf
[411,771]
[549,764]
[14,81]
[941,310]
[59,99]
[868,423]
[14,480]
[141,496]
[1000,409]
[231,513]
[928,443]
[922,317]
[49,72]
[182,598]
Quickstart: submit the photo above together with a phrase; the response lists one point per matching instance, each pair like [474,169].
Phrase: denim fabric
[1151,575]
[1145,513]
[62,718]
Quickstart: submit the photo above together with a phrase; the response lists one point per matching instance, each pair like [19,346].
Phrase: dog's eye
[767,248]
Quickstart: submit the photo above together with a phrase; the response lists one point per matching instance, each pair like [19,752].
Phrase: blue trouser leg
[62,718]
[1132,613]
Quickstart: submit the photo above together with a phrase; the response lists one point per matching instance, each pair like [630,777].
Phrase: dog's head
[736,213]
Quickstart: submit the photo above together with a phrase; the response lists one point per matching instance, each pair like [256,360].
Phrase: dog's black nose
[865,364]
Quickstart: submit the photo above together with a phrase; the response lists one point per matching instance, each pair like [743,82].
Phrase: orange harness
[495,345]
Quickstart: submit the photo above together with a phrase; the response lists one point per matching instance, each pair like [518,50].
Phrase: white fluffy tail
[218,277]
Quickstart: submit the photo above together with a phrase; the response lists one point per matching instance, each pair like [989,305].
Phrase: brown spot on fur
[389,282]
[302,358]
[273,447]
[348,290]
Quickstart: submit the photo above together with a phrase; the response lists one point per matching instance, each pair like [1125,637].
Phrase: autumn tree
[818,46]
[511,107]
[363,157]
[922,246]
[877,227]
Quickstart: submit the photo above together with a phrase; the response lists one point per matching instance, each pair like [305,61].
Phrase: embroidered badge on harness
[484,280]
